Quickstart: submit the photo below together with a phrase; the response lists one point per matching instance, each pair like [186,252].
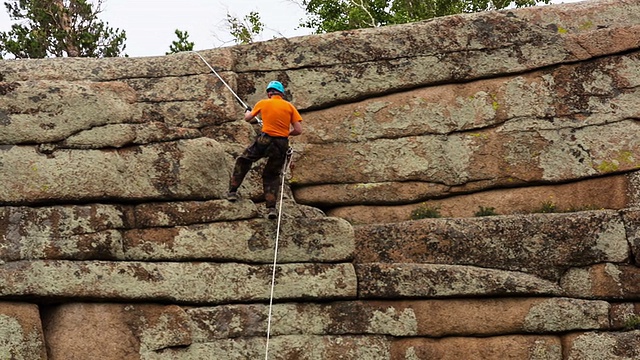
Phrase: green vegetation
[486,211]
[59,28]
[632,323]
[336,15]
[245,31]
[182,44]
[547,207]
[426,212]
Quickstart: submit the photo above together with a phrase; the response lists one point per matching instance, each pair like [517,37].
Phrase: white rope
[284,172]
[225,83]
[275,255]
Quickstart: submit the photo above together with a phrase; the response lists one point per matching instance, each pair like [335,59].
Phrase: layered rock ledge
[116,241]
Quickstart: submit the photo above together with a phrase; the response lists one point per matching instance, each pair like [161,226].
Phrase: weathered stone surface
[380,280]
[604,281]
[596,346]
[22,222]
[108,69]
[186,169]
[113,331]
[455,48]
[104,245]
[631,219]
[283,348]
[609,192]
[300,240]
[589,93]
[192,212]
[542,244]
[625,316]
[21,336]
[120,135]
[50,111]
[549,156]
[520,347]
[83,232]
[432,318]
[201,283]
[495,116]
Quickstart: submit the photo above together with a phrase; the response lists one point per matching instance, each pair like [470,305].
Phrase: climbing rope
[287,162]
[275,255]
[225,83]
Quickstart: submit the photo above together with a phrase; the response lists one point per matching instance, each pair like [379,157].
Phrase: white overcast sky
[150,24]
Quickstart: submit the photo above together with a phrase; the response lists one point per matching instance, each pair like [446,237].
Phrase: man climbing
[280,119]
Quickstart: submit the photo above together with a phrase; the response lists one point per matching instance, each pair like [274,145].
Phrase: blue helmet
[277,86]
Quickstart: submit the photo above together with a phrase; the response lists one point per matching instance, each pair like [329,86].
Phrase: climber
[280,119]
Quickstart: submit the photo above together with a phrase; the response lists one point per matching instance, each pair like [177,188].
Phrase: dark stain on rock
[48,126]
[139,272]
[4,118]
[37,98]
[6,88]
[167,168]
[245,86]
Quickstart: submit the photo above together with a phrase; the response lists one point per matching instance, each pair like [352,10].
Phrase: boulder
[550,156]
[608,192]
[398,281]
[118,68]
[253,241]
[605,345]
[409,318]
[21,335]
[521,347]
[76,331]
[72,232]
[194,283]
[603,281]
[180,170]
[545,245]
[632,224]
[585,93]
[303,347]
[625,316]
[446,49]
[176,213]
[50,111]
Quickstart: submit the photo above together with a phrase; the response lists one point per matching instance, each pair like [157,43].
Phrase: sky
[150,24]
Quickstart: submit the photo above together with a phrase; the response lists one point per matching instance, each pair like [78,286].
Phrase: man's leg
[271,176]
[242,167]
[240,170]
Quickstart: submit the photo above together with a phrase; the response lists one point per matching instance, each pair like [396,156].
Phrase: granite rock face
[117,242]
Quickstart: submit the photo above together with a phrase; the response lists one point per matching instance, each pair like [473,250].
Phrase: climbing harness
[244,105]
[285,166]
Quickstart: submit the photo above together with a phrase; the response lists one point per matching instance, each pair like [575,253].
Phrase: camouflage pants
[275,150]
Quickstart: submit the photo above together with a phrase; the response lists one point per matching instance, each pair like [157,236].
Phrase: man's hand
[247,115]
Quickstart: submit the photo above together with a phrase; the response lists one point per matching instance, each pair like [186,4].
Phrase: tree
[245,32]
[336,15]
[183,43]
[59,28]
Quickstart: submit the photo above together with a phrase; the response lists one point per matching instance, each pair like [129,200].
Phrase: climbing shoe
[232,196]
[272,214]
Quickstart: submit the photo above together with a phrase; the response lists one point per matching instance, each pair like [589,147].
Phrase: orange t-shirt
[277,115]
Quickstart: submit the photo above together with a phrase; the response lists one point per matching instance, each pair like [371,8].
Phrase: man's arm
[248,115]
[297,129]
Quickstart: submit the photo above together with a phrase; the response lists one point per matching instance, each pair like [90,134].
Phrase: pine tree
[59,28]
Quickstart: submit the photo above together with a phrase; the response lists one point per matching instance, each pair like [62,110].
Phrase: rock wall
[117,243]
